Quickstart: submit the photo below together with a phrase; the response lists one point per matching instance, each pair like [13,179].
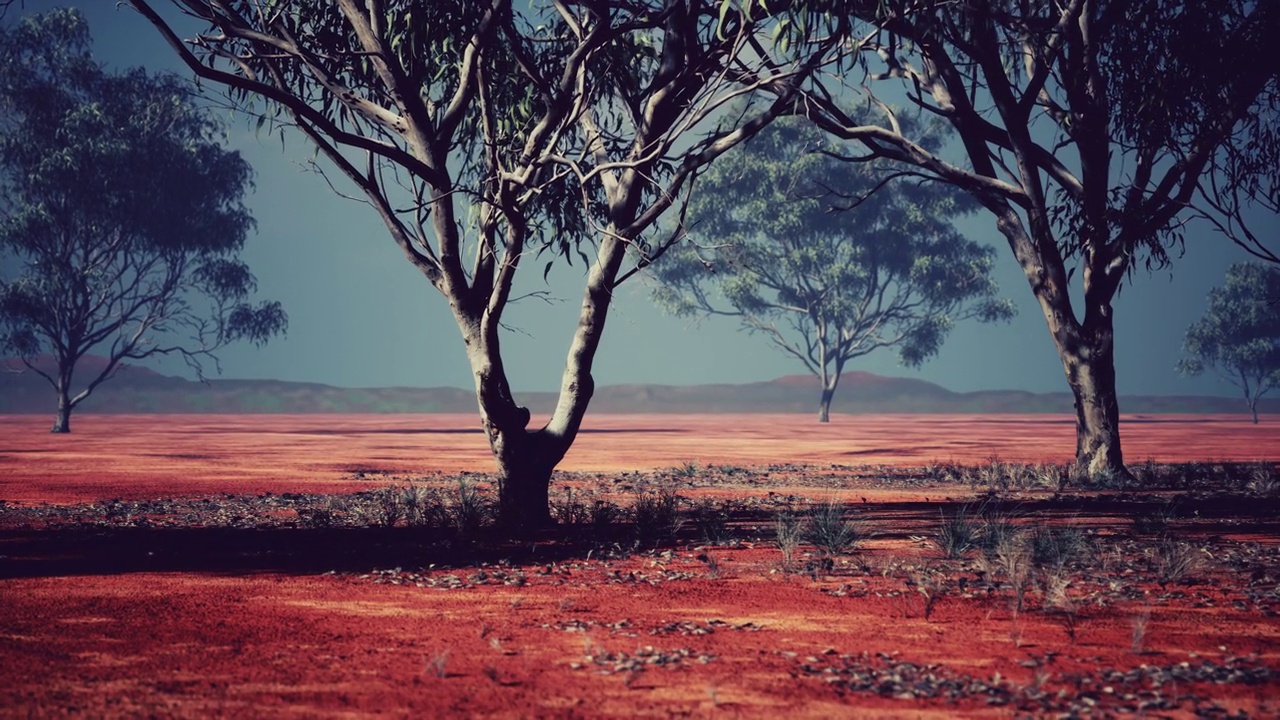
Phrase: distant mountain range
[140,390]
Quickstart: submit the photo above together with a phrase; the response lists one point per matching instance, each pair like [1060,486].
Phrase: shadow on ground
[69,550]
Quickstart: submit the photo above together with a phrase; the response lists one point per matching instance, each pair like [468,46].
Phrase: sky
[361,316]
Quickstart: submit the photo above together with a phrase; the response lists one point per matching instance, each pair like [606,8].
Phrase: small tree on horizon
[122,218]
[1238,337]
[778,249]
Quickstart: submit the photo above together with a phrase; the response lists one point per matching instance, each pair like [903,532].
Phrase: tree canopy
[1089,131]
[1238,337]
[829,260]
[488,137]
[123,214]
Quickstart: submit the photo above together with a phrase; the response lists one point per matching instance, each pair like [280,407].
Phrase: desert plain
[704,566]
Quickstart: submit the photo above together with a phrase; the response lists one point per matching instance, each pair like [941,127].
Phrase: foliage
[789,530]
[958,534]
[469,509]
[656,515]
[711,518]
[1239,334]
[829,260]
[1089,131]
[828,528]
[491,137]
[123,213]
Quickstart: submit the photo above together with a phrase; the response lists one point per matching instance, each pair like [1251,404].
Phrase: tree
[1239,335]
[487,138]
[123,215]
[1086,129]
[827,284]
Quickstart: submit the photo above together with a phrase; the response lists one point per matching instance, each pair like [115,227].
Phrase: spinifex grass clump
[789,530]
[656,515]
[958,534]
[1155,519]
[712,520]
[422,506]
[1175,560]
[829,529]
[1054,548]
[469,509]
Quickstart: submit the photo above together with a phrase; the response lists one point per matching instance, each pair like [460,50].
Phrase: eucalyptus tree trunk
[824,405]
[829,383]
[1086,348]
[1088,358]
[525,458]
[62,387]
[62,420]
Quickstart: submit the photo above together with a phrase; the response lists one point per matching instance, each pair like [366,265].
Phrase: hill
[140,390]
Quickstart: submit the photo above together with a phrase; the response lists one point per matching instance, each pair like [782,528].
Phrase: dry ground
[249,566]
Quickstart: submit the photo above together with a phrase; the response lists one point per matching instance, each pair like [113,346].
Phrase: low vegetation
[1052,561]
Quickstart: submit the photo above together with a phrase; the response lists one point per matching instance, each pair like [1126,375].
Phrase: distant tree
[827,284]
[122,215]
[492,136]
[1089,131]
[1239,335]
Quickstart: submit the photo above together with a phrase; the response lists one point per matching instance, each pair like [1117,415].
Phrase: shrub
[994,475]
[1140,622]
[1012,556]
[1154,519]
[1262,481]
[1056,547]
[604,513]
[656,515]
[422,506]
[469,510]
[958,534]
[1175,560]
[789,530]
[712,520]
[685,469]
[570,509]
[828,529]
[931,585]
[997,530]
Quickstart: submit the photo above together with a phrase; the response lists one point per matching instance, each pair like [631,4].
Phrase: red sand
[147,456]
[240,644]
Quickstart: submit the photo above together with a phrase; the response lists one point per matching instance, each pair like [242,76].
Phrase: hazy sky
[360,315]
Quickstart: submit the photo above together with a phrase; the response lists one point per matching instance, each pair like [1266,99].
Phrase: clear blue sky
[361,316]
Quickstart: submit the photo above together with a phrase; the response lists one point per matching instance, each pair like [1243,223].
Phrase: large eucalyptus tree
[1089,130]
[485,135]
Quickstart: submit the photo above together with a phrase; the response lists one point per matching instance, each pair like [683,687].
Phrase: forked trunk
[524,481]
[526,458]
[1086,348]
[1253,408]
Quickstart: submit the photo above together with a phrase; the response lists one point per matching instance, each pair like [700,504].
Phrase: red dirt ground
[690,631]
[150,456]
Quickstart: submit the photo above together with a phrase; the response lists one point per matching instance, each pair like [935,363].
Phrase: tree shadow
[70,550]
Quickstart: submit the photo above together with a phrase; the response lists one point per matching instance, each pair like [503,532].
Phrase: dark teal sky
[360,315]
